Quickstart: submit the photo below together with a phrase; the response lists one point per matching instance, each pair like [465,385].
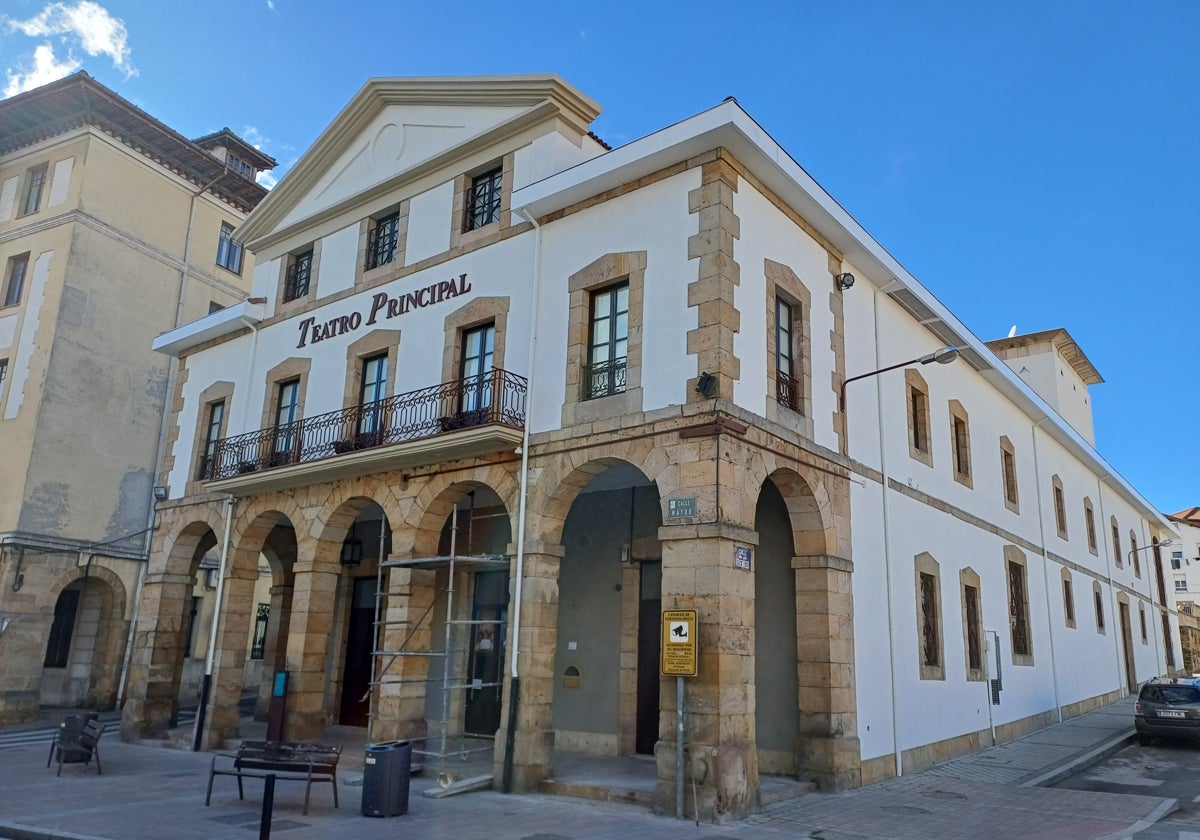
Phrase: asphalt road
[1169,769]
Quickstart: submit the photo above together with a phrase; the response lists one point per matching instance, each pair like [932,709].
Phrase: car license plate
[1170,713]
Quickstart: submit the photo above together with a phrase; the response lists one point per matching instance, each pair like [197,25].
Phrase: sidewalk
[150,793]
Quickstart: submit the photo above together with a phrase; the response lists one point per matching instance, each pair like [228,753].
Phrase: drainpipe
[206,686]
[1037,474]
[172,372]
[515,634]
[887,540]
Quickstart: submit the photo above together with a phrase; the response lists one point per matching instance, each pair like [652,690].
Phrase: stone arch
[333,519]
[437,498]
[98,635]
[187,541]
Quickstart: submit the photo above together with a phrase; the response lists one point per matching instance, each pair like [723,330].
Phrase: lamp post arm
[845,382]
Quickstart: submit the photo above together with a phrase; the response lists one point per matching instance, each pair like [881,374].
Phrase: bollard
[264,827]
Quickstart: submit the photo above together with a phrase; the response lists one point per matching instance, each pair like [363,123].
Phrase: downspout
[1037,474]
[206,686]
[887,542]
[172,372]
[1114,607]
[515,634]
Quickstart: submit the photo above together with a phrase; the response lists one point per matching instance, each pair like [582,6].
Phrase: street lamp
[944,356]
[1134,551]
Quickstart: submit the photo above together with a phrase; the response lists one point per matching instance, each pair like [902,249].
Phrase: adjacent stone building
[113,228]
[502,396]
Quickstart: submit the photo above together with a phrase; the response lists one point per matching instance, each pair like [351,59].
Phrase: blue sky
[1032,163]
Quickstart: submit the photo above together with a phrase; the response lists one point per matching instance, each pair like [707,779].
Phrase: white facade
[572,204]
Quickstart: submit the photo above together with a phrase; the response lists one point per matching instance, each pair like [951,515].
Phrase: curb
[1080,762]
[18,831]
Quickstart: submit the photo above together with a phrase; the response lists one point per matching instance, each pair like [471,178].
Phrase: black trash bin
[386,771]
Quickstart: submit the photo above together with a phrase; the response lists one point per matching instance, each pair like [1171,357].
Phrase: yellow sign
[679,643]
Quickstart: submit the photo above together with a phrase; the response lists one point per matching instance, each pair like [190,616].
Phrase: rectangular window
[1133,552]
[295,284]
[239,166]
[483,199]
[371,394]
[919,407]
[1098,597]
[1142,618]
[1060,508]
[229,250]
[787,388]
[1116,539]
[930,650]
[962,452]
[212,434]
[14,283]
[382,240]
[35,183]
[59,645]
[1181,585]
[608,342]
[1176,559]
[1008,463]
[287,412]
[974,643]
[1018,610]
[3,374]
[1068,602]
[258,645]
[478,348]
[1089,519]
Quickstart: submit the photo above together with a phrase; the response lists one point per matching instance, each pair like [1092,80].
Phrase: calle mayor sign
[383,306]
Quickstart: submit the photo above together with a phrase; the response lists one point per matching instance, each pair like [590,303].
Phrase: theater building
[113,228]
[502,395]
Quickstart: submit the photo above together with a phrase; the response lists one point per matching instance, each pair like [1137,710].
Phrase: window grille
[929,619]
[381,241]
[974,648]
[258,646]
[483,200]
[1018,617]
[298,274]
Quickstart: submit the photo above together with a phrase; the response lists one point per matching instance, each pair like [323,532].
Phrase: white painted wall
[548,155]
[339,251]
[430,216]
[19,366]
[8,198]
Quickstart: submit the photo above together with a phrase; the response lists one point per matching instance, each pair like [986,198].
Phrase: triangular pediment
[397,127]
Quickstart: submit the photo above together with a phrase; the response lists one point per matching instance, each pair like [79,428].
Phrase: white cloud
[271,5]
[266,180]
[45,69]
[85,25]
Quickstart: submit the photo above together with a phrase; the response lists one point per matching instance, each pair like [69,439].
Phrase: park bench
[285,761]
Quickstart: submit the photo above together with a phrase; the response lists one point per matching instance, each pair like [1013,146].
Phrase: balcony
[458,419]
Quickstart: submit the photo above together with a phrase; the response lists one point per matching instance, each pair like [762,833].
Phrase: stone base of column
[18,706]
[146,719]
[533,754]
[725,781]
[304,726]
[833,763]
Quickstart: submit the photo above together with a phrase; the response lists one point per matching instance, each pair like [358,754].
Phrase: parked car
[1168,708]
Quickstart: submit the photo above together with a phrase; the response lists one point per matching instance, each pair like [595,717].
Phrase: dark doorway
[360,643]
[1127,644]
[489,615]
[59,645]
[649,653]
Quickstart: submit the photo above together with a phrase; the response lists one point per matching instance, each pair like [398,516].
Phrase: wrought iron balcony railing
[603,379]
[787,390]
[493,397]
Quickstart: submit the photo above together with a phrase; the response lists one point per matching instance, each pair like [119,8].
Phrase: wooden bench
[286,761]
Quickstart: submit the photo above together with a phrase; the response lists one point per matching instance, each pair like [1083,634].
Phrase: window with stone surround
[483,198]
[482,207]
[1008,469]
[1068,598]
[1060,506]
[1089,520]
[383,235]
[370,379]
[1118,557]
[35,184]
[1098,600]
[1168,644]
[1133,554]
[1018,606]
[972,618]
[788,360]
[207,430]
[929,617]
[960,443]
[1142,619]
[917,409]
[473,348]
[608,342]
[287,384]
[212,433]
[14,279]
[298,275]
[3,376]
[475,368]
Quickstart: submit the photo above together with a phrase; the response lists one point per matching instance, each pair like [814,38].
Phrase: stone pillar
[699,574]
[400,707]
[275,648]
[234,618]
[827,747]
[537,637]
[309,635]
[156,662]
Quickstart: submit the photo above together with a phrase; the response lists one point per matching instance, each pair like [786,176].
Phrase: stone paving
[148,793]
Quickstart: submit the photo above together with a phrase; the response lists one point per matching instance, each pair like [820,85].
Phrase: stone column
[234,617]
[308,639]
[275,648]
[537,637]
[400,706]
[699,574]
[156,661]
[827,747]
